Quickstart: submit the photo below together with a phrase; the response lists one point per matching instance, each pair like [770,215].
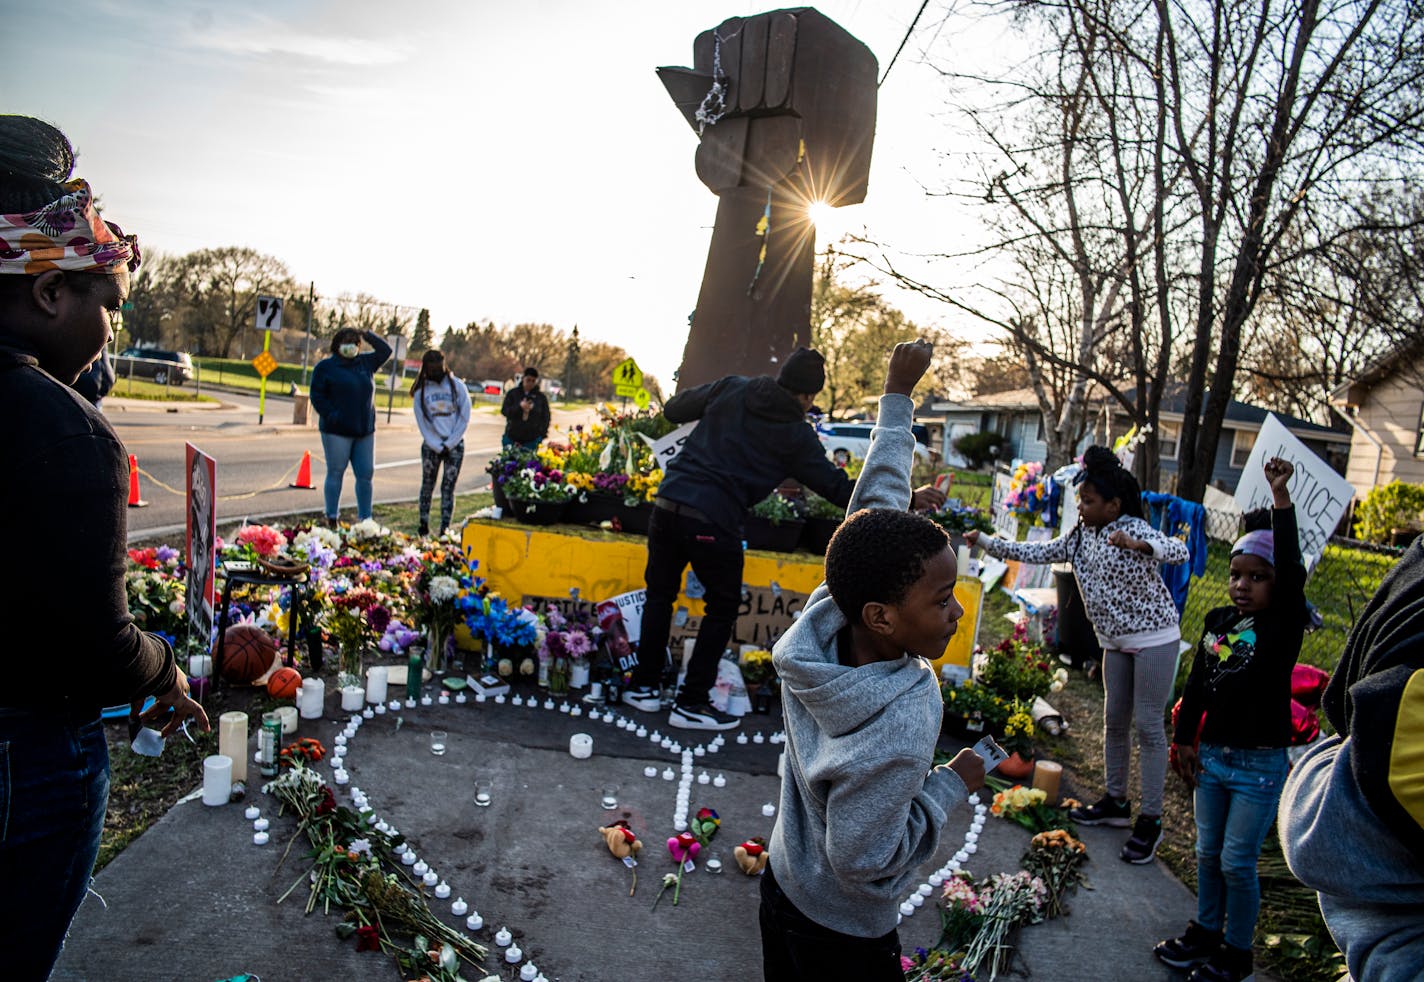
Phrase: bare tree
[220,288]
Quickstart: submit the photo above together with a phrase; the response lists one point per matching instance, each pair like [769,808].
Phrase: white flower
[1056,687]
[176,608]
[369,529]
[359,846]
[443,588]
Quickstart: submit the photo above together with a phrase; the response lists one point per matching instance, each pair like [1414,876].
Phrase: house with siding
[1015,415]
[1385,407]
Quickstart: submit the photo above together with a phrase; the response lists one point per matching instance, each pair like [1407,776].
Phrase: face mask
[348,350]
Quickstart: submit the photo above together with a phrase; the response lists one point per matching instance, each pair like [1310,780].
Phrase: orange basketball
[248,652]
[282,684]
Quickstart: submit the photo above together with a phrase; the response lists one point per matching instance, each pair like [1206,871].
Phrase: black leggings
[794,947]
[430,461]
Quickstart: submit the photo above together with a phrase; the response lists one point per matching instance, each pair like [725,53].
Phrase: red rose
[367,938]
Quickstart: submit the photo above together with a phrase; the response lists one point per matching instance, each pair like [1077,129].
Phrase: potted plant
[1019,670]
[537,495]
[503,466]
[1391,513]
[822,519]
[972,710]
[756,670]
[774,523]
[1018,741]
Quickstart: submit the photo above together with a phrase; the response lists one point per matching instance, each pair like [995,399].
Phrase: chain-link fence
[1342,582]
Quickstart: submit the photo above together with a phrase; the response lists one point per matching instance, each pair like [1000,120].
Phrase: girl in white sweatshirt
[1115,555]
[442,412]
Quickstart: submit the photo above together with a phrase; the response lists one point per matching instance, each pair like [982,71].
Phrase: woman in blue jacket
[343,393]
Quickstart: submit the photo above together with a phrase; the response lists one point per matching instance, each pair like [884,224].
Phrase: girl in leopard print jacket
[1115,556]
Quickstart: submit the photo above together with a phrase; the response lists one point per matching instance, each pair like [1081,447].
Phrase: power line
[903,42]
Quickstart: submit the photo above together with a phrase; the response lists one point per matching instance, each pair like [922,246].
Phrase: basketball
[283,683]
[248,652]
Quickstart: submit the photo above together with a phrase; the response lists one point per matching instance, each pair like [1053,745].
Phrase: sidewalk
[193,899]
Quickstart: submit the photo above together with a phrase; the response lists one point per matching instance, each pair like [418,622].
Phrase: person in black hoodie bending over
[753,434]
[63,515]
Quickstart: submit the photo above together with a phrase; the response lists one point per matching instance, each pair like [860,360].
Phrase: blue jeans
[360,453]
[1236,798]
[54,786]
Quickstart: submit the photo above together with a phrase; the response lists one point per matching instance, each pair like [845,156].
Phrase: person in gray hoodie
[1351,819]
[862,807]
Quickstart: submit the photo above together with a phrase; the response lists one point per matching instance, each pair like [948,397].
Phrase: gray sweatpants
[1136,686]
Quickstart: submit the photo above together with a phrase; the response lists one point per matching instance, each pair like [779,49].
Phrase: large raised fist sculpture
[784,105]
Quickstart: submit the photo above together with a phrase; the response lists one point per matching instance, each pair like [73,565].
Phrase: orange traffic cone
[134,500]
[304,473]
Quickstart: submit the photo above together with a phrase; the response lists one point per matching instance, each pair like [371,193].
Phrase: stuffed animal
[621,840]
[751,856]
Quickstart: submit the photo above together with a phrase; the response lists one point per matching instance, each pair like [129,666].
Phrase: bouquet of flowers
[1018,731]
[260,542]
[756,666]
[355,619]
[1009,899]
[1029,807]
[1056,858]
[1028,492]
[156,587]
[537,482]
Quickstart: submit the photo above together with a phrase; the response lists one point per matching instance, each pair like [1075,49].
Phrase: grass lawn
[143,389]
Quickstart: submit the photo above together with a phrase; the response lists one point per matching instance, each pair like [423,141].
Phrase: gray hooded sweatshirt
[861,806]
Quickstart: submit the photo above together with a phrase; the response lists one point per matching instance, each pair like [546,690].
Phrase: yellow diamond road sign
[641,398]
[627,379]
[265,364]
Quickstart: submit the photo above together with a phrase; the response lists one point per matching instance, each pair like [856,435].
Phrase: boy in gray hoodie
[861,806]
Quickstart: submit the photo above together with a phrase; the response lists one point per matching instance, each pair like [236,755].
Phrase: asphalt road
[256,462]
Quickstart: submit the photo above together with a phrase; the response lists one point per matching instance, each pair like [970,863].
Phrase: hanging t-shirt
[1185,520]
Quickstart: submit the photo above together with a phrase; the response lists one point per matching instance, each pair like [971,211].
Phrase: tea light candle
[518,701]
[444,699]
[368,713]
[548,704]
[395,704]
[650,771]
[758,738]
[704,778]
[676,748]
[971,847]
[719,781]
[594,715]
[768,809]
[410,704]
[410,858]
[668,774]
[513,954]
[460,699]
[427,701]
[712,748]
[742,738]
[917,900]
[907,909]
[564,707]
[260,838]
[260,825]
[974,798]
[642,731]
[499,699]
[252,812]
[528,973]
[341,777]
[431,878]
[383,828]
[700,751]
[581,746]
[459,907]
[679,825]
[502,937]
[656,737]
[980,810]
[665,743]
[971,836]
[575,711]
[442,890]
[421,868]
[961,856]
[380,709]
[474,922]
[936,879]
[925,890]
[1046,776]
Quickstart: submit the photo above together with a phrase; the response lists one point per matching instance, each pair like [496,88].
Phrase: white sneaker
[645,699]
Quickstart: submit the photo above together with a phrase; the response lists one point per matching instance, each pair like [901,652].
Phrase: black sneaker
[701,717]
[424,529]
[643,698]
[1227,964]
[1142,845]
[1192,948]
[1107,811]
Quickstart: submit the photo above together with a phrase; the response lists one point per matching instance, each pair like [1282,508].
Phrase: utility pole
[306,348]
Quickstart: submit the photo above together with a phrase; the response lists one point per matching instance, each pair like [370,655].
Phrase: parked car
[163,367]
[854,439]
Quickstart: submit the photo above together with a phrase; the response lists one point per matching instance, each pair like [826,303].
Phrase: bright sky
[505,161]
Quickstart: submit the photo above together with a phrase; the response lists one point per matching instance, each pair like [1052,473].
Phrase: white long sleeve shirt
[442,411]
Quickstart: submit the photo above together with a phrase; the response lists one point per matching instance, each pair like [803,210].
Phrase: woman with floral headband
[63,272]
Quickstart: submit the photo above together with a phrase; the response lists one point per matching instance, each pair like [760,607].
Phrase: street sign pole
[262,398]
